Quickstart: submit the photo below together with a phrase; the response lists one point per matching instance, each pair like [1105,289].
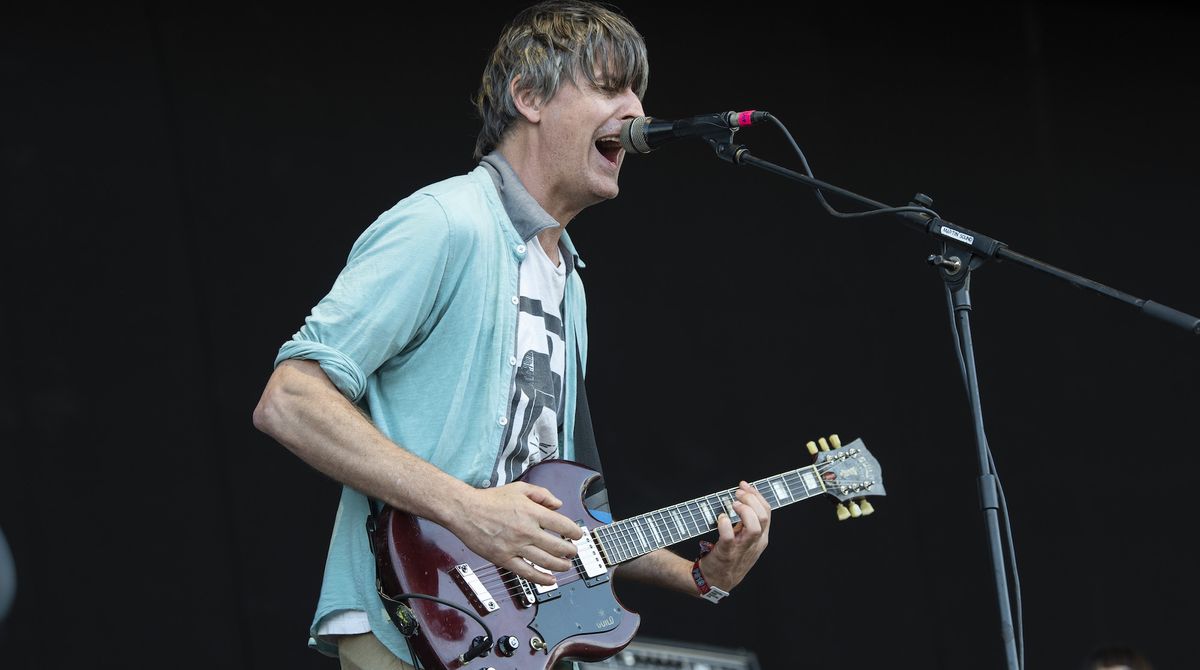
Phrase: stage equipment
[961,250]
[647,653]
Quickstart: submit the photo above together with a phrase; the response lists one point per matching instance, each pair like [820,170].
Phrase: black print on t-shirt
[538,389]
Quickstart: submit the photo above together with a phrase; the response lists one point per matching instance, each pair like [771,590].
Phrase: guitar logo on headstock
[849,472]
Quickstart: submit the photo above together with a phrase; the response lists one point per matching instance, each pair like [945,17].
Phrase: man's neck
[525,164]
[548,238]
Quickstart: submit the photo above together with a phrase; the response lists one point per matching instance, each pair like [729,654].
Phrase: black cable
[1012,557]
[479,645]
[821,196]
[1020,637]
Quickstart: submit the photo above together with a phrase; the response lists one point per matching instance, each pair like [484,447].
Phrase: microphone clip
[721,142]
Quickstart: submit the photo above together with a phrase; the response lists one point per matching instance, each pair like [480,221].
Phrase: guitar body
[581,619]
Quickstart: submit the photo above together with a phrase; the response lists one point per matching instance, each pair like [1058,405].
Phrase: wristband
[709,592]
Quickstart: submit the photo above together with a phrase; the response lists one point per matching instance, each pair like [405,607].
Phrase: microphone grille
[633,135]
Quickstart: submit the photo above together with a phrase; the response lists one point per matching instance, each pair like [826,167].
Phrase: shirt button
[504,421]
[515,300]
[512,360]
[520,248]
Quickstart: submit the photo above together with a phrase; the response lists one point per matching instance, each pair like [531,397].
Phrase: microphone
[643,134]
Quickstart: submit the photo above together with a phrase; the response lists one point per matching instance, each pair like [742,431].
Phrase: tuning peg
[812,448]
[842,512]
[855,510]
[835,441]
[823,443]
[866,507]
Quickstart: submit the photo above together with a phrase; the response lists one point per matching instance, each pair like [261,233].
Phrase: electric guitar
[456,609]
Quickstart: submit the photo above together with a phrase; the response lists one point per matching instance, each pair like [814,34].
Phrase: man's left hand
[738,546]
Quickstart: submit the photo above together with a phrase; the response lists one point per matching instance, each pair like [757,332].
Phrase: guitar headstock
[849,472]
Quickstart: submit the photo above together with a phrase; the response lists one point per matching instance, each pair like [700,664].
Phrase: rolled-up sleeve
[383,298]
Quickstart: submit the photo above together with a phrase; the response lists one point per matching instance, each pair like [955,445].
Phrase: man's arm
[735,552]
[303,410]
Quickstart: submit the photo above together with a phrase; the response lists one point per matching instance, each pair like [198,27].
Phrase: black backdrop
[182,183]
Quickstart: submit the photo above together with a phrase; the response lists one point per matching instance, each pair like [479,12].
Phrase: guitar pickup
[544,593]
[590,560]
[524,592]
[474,589]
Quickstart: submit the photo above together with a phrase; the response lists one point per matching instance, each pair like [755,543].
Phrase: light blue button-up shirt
[418,330]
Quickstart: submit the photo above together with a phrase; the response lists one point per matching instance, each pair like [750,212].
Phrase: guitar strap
[586,452]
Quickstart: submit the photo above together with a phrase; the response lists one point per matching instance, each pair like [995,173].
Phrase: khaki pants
[366,652]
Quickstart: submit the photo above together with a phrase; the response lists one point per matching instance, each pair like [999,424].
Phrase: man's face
[581,148]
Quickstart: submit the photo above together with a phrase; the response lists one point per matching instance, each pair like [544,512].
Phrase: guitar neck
[627,539]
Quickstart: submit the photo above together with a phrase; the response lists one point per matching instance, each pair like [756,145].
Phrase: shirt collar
[527,216]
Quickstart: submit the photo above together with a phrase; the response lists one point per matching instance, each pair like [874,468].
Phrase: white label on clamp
[961,237]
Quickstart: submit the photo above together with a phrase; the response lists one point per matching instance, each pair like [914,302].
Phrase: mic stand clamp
[722,142]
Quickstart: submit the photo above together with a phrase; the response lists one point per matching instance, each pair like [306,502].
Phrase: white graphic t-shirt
[531,434]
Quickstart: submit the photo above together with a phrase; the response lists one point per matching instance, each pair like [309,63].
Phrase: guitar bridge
[474,589]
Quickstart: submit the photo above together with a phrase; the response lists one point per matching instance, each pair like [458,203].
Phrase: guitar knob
[812,448]
[855,510]
[866,507]
[508,645]
[835,441]
[842,512]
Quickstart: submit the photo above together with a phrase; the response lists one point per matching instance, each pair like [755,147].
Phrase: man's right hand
[511,524]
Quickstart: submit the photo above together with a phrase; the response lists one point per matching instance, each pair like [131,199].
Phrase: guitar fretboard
[627,539]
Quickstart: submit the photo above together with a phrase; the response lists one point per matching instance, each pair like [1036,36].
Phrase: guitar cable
[402,616]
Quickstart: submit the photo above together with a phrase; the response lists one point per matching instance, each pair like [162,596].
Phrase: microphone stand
[963,250]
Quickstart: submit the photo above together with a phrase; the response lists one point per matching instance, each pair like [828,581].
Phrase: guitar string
[506,579]
[495,576]
[622,539]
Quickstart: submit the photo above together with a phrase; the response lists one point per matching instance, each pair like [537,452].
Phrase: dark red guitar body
[583,619]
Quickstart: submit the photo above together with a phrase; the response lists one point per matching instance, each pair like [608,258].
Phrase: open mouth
[610,148]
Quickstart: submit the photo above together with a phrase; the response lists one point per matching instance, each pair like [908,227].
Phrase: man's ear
[529,105]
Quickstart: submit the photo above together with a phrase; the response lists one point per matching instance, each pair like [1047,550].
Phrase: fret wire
[715,509]
[601,533]
[676,531]
[697,517]
[629,538]
[643,541]
[767,492]
[661,521]
[796,479]
[729,498]
[800,476]
[680,523]
[664,534]
[637,536]
[653,528]
[622,540]
[617,543]
[632,537]
[614,549]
